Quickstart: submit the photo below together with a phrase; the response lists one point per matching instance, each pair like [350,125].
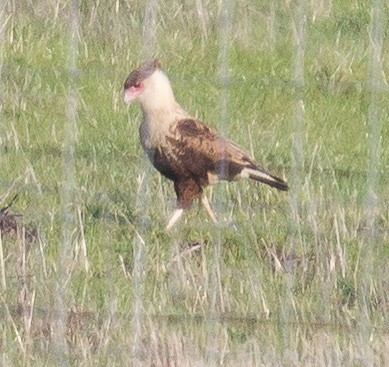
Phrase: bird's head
[140,81]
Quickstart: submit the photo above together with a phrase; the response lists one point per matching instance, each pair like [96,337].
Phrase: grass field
[295,279]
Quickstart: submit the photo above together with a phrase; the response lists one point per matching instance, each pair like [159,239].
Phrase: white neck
[160,109]
[157,95]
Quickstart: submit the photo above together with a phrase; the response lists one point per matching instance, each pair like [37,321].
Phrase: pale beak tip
[127,98]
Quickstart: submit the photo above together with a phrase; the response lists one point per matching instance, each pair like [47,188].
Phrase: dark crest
[142,73]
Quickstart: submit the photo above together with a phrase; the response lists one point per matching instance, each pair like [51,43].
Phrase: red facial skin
[131,93]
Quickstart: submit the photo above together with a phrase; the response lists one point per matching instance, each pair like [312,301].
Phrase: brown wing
[201,150]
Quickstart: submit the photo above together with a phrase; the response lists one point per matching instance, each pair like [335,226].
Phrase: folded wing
[204,153]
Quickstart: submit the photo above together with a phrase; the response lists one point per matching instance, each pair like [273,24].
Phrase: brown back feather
[206,151]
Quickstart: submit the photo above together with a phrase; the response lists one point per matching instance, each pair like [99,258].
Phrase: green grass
[274,284]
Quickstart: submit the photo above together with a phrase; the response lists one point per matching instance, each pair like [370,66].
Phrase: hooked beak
[132,93]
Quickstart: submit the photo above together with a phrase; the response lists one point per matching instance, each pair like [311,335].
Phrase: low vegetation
[88,274]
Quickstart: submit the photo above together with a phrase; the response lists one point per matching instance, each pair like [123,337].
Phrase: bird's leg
[174,218]
[208,209]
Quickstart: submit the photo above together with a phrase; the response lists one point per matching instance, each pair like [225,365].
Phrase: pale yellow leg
[174,218]
[208,209]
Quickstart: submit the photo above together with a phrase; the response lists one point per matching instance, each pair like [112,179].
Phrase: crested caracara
[183,149]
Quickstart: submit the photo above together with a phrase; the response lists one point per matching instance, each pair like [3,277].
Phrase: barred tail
[264,177]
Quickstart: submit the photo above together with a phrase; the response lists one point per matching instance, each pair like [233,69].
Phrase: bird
[182,148]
